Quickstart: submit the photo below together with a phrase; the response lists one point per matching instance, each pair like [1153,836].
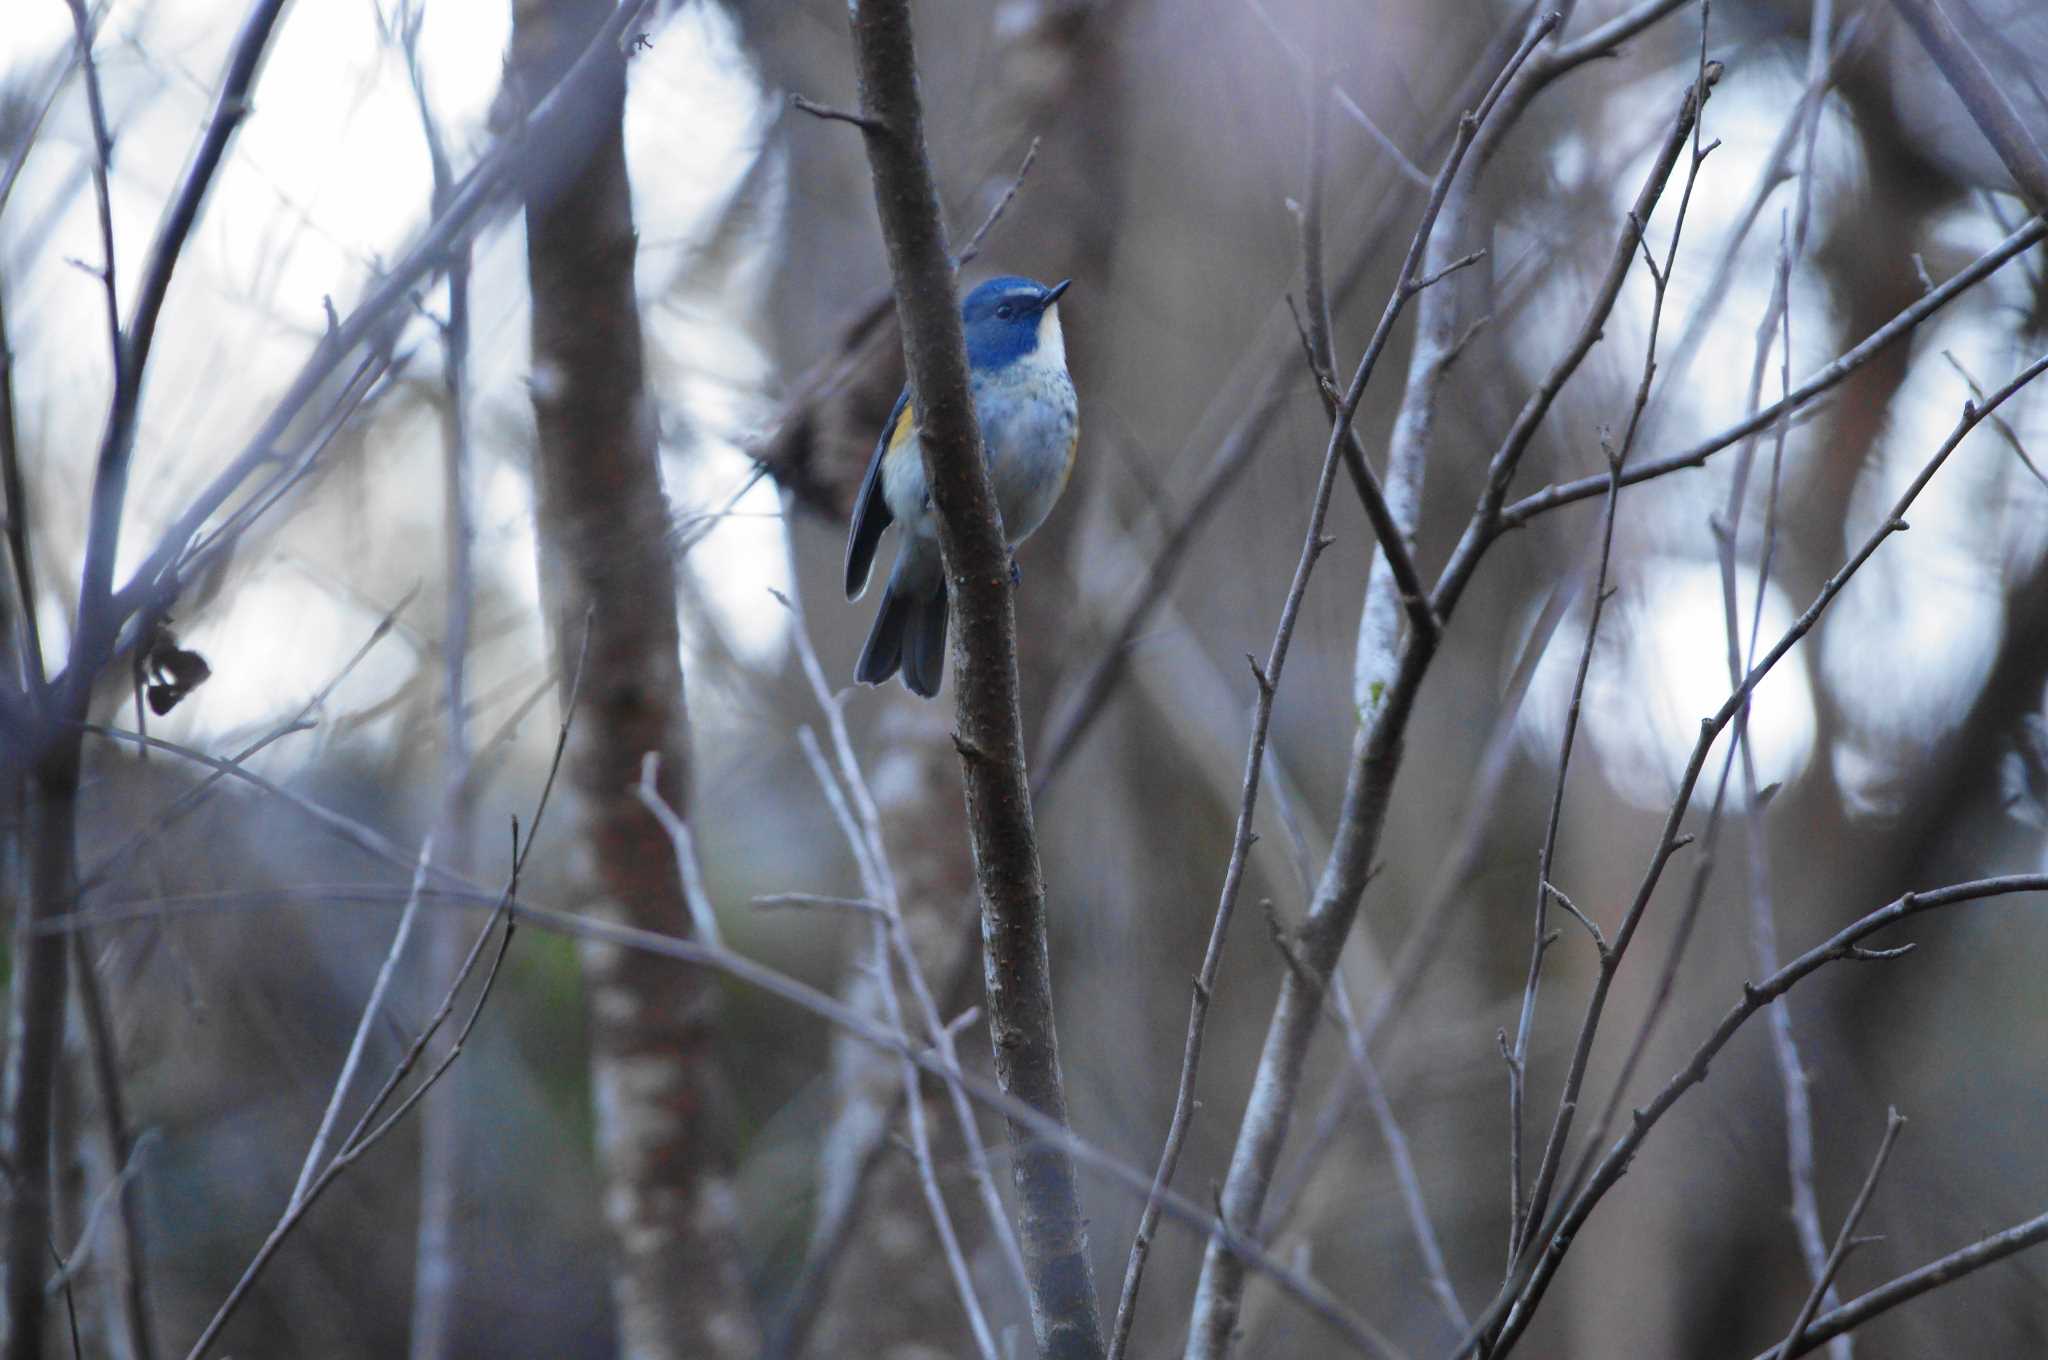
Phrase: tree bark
[35,1026]
[1017,975]
[608,588]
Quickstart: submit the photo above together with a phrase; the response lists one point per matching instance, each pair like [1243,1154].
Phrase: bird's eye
[1006,311]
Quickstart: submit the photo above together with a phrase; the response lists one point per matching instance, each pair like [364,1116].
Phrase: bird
[1030,427]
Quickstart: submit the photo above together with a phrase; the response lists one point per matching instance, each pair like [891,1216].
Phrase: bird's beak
[1052,294]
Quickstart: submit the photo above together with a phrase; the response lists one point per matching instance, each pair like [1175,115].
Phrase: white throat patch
[1052,346]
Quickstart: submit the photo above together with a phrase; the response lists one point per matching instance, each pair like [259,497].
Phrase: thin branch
[367,1133]
[1998,423]
[1523,1214]
[1543,1250]
[102,171]
[831,114]
[2031,234]
[791,899]
[316,1151]
[920,1135]
[1219,1293]
[1913,1284]
[703,918]
[972,251]
[1844,1240]
[872,856]
[1256,415]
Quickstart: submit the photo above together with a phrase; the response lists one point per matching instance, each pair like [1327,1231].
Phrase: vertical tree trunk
[608,587]
[35,1024]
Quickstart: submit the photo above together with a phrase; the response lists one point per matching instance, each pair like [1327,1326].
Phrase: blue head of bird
[1011,318]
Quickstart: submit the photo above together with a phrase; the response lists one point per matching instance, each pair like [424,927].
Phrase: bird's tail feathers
[909,634]
[924,661]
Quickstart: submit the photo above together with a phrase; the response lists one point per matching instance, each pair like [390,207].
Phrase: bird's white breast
[1029,421]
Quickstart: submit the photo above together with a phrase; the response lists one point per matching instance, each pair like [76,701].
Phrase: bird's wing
[871,512]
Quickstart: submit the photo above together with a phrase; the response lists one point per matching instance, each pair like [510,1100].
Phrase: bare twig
[2031,234]
[703,919]
[972,251]
[1219,1294]
[1913,1284]
[1256,415]
[316,1151]
[831,114]
[859,904]
[871,853]
[1521,1213]
[892,1015]
[1998,423]
[1543,1250]
[367,1132]
[1844,1240]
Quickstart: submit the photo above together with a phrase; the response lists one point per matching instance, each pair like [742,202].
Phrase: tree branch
[1894,1121]
[1979,90]
[2030,234]
[989,730]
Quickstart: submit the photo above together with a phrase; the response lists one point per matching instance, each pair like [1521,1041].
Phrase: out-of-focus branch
[1777,321]
[1088,697]
[158,576]
[989,729]
[1979,90]
[14,492]
[2030,234]
[97,618]
[1542,1251]
[102,172]
[446,1122]
[39,982]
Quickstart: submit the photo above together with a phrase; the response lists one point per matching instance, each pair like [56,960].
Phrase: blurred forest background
[373,599]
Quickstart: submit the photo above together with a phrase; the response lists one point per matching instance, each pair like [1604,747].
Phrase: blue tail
[910,635]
